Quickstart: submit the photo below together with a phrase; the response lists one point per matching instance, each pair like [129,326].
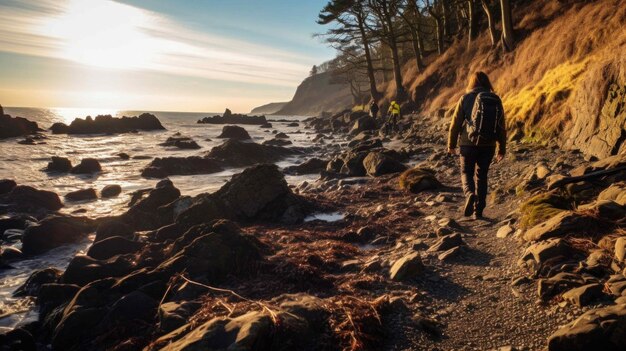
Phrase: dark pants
[392,123]
[475,162]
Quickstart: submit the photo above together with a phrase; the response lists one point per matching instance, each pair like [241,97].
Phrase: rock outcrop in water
[162,167]
[234,153]
[181,142]
[230,118]
[107,124]
[234,132]
[16,126]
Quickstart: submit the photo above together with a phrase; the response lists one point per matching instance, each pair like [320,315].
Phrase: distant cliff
[268,109]
[315,95]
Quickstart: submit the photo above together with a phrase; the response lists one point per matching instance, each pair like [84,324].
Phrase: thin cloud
[112,35]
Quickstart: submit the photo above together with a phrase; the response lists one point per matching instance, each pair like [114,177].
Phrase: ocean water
[24,164]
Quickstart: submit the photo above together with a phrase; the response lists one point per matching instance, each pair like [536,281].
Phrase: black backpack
[485,119]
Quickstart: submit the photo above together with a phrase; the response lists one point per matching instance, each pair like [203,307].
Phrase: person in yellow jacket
[394,114]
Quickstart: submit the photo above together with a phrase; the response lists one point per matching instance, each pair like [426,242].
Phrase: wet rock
[10,253]
[418,179]
[377,164]
[112,246]
[106,124]
[112,190]
[28,197]
[310,166]
[597,329]
[447,242]
[181,142]
[167,166]
[583,295]
[277,142]
[52,295]
[234,132]
[353,164]
[18,339]
[266,125]
[38,278]
[86,166]
[563,223]
[123,156]
[6,185]
[408,267]
[55,231]
[114,227]
[258,193]
[281,135]
[82,195]
[59,164]
[83,270]
[144,214]
[16,126]
[173,315]
[235,153]
[230,118]
[362,124]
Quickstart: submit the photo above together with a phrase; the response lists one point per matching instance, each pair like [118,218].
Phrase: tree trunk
[417,50]
[472,21]
[490,21]
[397,74]
[508,39]
[370,67]
[446,18]
[439,23]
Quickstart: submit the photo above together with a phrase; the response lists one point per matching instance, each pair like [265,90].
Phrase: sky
[158,55]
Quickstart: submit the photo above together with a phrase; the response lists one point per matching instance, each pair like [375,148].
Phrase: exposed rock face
[16,126]
[55,231]
[258,193]
[107,124]
[87,166]
[562,224]
[166,166]
[377,164]
[59,164]
[310,166]
[235,153]
[28,197]
[181,142]
[234,132]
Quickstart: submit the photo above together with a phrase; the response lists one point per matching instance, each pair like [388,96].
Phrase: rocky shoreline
[249,266]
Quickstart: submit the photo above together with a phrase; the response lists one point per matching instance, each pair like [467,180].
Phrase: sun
[103,33]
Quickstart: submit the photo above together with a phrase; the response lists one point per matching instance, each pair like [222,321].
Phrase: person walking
[394,115]
[477,126]
[374,109]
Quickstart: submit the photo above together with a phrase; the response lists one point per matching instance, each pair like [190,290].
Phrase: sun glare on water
[70,113]
[103,33]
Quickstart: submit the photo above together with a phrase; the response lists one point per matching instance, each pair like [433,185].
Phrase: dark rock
[106,124]
[258,193]
[407,267]
[28,197]
[16,126]
[550,287]
[366,145]
[353,164]
[144,214]
[266,125]
[123,156]
[112,190]
[83,270]
[87,165]
[166,166]
[447,242]
[173,315]
[81,195]
[181,143]
[277,142]
[113,228]
[229,118]
[6,185]
[27,141]
[281,135]
[235,153]
[597,329]
[583,295]
[38,278]
[55,231]
[418,179]
[10,253]
[18,339]
[234,132]
[548,250]
[112,246]
[310,166]
[362,124]
[59,164]
[52,295]
[135,305]
[377,164]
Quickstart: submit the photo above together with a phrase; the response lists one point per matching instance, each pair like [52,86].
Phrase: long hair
[479,80]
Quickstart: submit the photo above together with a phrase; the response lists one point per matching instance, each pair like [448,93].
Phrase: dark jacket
[374,107]
[462,112]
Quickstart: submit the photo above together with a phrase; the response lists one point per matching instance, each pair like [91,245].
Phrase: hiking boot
[478,215]
[469,205]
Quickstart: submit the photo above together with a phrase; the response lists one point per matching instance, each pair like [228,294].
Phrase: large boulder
[407,267]
[310,166]
[258,193]
[234,132]
[16,126]
[6,185]
[111,190]
[59,164]
[87,166]
[55,231]
[597,329]
[167,166]
[181,142]
[564,223]
[144,214]
[24,196]
[548,250]
[82,195]
[377,164]
[230,118]
[418,179]
[107,124]
[362,124]
[235,153]
[109,247]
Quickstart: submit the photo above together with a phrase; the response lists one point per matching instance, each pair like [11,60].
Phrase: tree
[385,13]
[313,71]
[350,16]
[508,41]
[491,25]
[436,12]
[472,22]
[349,67]
[412,17]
